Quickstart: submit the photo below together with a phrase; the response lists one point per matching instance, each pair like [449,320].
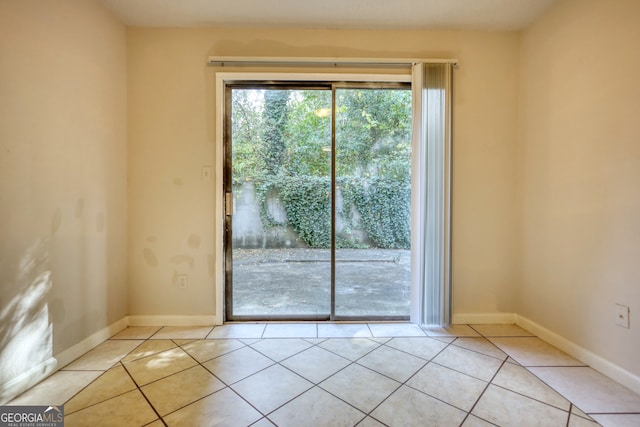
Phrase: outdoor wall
[579,175]
[171,110]
[62,181]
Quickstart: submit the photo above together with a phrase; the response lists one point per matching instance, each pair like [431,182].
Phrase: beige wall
[62,178]
[546,168]
[579,175]
[171,136]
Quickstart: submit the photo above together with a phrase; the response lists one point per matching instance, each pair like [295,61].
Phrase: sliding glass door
[317,186]
[279,175]
[373,202]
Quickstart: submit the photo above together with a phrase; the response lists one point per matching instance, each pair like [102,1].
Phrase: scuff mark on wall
[152,239]
[194,241]
[211,264]
[178,182]
[100,222]
[183,258]
[150,257]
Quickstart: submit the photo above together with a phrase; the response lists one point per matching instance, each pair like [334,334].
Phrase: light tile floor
[265,374]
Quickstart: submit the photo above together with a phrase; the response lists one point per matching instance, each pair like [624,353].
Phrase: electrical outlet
[183,281]
[622,316]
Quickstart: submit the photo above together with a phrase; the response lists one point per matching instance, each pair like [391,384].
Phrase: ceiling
[354,14]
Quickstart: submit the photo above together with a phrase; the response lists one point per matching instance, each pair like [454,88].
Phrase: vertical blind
[431,198]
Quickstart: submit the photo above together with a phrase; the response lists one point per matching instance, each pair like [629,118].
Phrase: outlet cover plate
[622,316]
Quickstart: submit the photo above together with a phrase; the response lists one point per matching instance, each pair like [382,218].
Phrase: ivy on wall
[383,206]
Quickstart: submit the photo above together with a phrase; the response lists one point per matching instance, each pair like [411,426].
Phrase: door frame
[224,78]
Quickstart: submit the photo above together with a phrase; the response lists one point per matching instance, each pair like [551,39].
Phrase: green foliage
[384,207]
[373,132]
[306,202]
[247,162]
[282,141]
[273,130]
[309,134]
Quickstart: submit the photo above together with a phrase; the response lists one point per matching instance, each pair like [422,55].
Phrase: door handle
[228,204]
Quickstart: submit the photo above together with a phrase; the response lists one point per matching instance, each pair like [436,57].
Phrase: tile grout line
[356,360]
[500,368]
[143,395]
[405,384]
[276,361]
[552,388]
[454,370]
[317,385]
[350,363]
[469,413]
[488,383]
[83,389]
[99,376]
[175,373]
[536,400]
[464,373]
[102,401]
[527,368]
[226,385]
[480,352]
[393,379]
[313,384]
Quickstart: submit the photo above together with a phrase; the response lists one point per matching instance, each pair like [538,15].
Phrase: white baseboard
[33,376]
[587,357]
[484,318]
[36,374]
[175,320]
[72,353]
[26,380]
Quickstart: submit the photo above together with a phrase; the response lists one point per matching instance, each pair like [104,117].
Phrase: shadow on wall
[26,340]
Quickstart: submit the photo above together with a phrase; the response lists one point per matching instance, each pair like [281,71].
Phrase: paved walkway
[281,282]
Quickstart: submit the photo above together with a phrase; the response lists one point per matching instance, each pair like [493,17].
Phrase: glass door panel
[278,241]
[373,200]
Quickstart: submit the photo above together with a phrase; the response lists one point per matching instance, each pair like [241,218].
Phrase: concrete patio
[297,282]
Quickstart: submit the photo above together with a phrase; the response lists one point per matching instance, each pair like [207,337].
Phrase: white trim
[229,77]
[72,353]
[598,363]
[28,379]
[173,320]
[23,382]
[41,371]
[484,318]
[317,61]
[417,195]
[218,200]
